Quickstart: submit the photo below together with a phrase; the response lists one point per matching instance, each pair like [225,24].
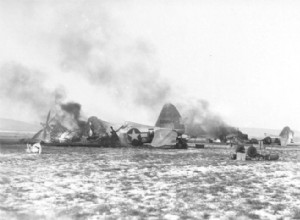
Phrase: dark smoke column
[72,108]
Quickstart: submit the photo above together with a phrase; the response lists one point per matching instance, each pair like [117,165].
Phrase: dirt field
[95,183]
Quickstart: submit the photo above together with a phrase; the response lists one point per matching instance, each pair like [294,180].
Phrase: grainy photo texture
[140,109]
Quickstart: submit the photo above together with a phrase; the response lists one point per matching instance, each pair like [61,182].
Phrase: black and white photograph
[149,109]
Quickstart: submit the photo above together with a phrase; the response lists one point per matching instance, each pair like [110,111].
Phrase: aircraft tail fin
[169,117]
[286,136]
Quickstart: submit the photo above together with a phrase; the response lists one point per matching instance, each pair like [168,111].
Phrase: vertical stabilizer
[286,136]
[169,117]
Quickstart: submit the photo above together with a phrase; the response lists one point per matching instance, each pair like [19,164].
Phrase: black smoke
[72,108]
[68,116]
[200,121]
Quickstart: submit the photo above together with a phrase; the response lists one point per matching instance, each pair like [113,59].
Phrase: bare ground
[106,183]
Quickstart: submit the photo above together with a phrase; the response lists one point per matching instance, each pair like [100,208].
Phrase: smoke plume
[24,89]
[68,115]
[201,121]
[86,55]
[72,108]
[79,44]
[107,59]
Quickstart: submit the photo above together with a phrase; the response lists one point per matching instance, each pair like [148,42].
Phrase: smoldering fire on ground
[201,121]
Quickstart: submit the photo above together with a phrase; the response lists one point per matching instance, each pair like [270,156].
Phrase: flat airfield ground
[131,183]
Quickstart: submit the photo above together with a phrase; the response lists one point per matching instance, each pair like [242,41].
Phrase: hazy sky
[123,59]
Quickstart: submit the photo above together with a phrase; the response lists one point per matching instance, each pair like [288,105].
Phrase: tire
[267,140]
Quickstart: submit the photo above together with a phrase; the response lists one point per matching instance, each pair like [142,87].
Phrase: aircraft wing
[137,125]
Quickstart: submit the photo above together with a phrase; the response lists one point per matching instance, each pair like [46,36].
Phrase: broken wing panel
[164,137]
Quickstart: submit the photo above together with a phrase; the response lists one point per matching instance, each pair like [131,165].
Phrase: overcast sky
[123,59]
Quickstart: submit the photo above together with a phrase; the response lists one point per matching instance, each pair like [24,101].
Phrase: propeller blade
[44,134]
[52,119]
[47,121]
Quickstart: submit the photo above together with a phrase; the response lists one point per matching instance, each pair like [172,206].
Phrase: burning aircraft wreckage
[65,128]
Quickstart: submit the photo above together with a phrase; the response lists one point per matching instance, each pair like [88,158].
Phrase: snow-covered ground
[107,183]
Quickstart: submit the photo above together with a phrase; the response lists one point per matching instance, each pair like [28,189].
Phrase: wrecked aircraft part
[169,117]
[60,134]
[98,128]
[69,136]
[164,137]
[236,137]
[43,134]
[168,139]
[286,136]
[286,132]
[57,130]
[84,128]
[134,137]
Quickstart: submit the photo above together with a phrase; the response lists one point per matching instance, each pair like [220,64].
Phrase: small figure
[35,148]
[114,138]
[181,142]
[151,134]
